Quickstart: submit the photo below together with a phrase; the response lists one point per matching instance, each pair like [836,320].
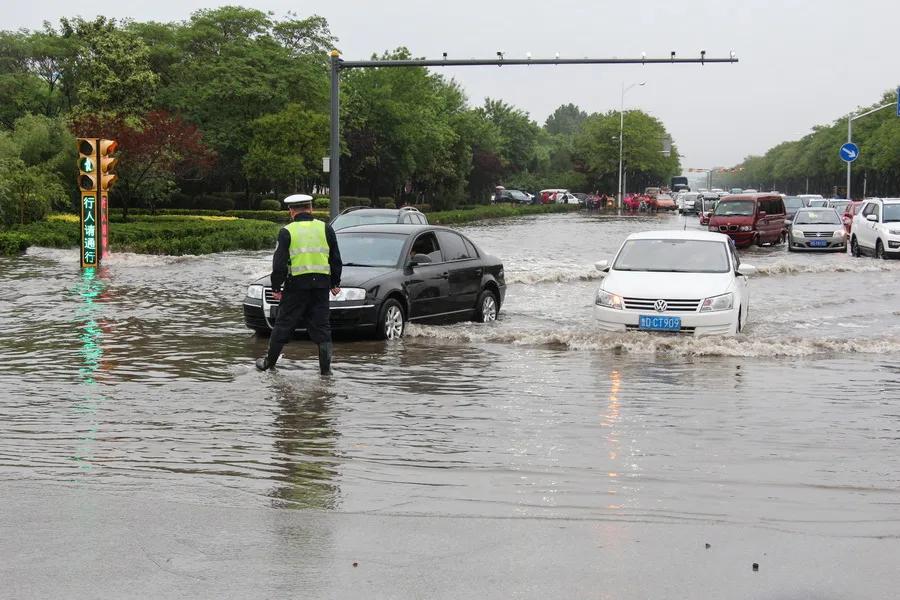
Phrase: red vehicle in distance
[849,213]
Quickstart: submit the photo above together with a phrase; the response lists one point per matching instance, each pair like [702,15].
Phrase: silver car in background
[817,229]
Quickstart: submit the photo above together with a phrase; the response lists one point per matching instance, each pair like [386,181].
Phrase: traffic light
[107,163]
[87,165]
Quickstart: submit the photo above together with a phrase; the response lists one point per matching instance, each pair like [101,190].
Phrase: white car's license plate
[654,323]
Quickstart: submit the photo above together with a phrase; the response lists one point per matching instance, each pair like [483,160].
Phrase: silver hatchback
[817,229]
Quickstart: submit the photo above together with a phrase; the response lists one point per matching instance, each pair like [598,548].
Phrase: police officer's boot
[326,350]
[268,361]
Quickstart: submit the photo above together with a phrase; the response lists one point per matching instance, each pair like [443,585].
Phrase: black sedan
[394,274]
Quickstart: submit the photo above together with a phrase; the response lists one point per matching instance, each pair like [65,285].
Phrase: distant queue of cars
[549,196]
[806,222]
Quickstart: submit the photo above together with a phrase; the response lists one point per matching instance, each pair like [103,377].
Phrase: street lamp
[621,130]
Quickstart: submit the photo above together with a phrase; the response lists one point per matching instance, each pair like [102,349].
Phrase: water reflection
[610,427]
[90,289]
[305,441]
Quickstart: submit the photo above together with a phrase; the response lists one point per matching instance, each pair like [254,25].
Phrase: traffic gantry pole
[337,65]
[335,162]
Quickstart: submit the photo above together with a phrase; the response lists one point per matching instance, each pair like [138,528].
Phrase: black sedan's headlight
[349,294]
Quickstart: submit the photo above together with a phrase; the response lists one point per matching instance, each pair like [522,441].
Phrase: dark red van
[750,219]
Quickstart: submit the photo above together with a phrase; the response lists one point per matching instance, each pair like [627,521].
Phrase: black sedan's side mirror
[419,259]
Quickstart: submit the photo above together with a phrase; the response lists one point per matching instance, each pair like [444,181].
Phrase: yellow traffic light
[87,164]
[107,163]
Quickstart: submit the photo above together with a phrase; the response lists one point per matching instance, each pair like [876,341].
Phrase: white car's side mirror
[601,265]
[747,270]
[873,218]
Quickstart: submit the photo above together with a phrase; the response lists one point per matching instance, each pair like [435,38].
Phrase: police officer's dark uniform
[305,268]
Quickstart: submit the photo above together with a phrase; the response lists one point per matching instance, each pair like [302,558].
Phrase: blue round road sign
[849,152]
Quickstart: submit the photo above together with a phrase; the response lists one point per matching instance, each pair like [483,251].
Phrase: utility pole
[338,65]
[622,136]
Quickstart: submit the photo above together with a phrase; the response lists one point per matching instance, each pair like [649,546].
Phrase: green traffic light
[86,165]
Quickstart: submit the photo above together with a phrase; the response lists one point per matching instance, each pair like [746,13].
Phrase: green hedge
[205,233]
[13,243]
[169,234]
[497,211]
[177,237]
[274,216]
[269,204]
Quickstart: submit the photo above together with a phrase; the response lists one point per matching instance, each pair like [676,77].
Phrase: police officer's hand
[276,296]
[335,291]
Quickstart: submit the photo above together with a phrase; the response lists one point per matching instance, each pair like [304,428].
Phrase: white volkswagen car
[688,282]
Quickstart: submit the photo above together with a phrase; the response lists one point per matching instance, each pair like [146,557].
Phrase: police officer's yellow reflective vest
[309,248]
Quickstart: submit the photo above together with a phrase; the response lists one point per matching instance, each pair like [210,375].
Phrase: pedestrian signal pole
[338,64]
[96,174]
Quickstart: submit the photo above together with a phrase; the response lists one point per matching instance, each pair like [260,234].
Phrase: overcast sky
[802,63]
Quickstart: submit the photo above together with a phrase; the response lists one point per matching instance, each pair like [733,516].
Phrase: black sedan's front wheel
[391,321]
[487,307]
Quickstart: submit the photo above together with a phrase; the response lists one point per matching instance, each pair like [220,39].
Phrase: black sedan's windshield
[731,208]
[371,249]
[672,256]
[817,217]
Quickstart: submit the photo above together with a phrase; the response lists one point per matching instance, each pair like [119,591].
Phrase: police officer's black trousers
[300,305]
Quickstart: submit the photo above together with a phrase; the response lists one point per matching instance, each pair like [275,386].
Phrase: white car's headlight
[715,303]
[894,231]
[255,291]
[347,294]
[839,233]
[609,300]
[797,235]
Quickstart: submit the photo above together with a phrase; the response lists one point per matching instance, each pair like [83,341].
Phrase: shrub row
[496,211]
[274,216]
[212,231]
[13,243]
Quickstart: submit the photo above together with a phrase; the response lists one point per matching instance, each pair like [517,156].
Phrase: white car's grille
[649,304]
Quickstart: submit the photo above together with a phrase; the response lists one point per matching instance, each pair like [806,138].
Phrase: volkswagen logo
[661,306]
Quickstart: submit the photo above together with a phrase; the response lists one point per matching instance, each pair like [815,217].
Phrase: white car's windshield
[817,217]
[793,202]
[731,208]
[673,256]
[371,249]
[892,213]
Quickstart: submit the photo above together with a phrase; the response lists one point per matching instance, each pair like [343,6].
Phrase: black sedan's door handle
[445,275]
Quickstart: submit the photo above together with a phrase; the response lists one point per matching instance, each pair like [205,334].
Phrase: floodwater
[136,381]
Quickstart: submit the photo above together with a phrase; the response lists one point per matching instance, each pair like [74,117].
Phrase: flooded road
[132,388]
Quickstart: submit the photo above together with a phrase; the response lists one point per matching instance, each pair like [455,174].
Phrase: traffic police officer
[306,266]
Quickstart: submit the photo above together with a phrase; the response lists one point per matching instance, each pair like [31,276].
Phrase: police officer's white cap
[297,200]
